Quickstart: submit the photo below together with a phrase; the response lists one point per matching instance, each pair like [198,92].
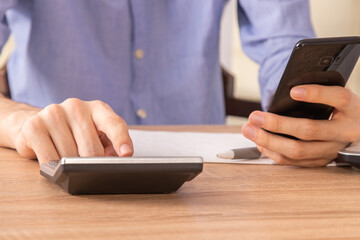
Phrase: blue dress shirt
[152,61]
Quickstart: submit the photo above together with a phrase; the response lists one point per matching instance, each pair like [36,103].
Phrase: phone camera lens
[326,61]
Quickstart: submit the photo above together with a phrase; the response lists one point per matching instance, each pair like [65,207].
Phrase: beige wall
[338,18]
[330,18]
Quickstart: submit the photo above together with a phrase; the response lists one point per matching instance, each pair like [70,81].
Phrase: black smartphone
[324,61]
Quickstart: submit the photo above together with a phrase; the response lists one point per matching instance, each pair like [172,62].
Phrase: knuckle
[309,130]
[314,92]
[71,101]
[296,151]
[101,105]
[32,125]
[53,112]
[344,98]
[75,106]
[272,124]
[263,140]
[117,120]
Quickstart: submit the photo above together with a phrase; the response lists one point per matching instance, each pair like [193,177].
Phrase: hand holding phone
[310,91]
[284,105]
[327,61]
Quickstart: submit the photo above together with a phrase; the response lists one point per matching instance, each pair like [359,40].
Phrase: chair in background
[235,106]
[4,86]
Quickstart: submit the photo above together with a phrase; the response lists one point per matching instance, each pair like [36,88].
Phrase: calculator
[117,175]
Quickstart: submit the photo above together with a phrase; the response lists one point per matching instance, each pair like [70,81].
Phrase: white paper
[206,145]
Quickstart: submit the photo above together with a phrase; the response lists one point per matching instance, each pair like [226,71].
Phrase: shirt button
[139,54]
[141,113]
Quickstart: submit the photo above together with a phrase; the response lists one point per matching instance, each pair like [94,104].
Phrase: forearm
[12,117]
[269,30]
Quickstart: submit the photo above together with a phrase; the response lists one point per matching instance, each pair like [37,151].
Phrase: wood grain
[224,202]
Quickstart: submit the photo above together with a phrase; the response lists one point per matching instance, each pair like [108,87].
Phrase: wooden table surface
[224,202]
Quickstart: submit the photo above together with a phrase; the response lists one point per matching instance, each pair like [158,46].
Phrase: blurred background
[330,18]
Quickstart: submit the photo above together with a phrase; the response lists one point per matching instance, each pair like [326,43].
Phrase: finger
[115,128]
[83,128]
[281,159]
[307,129]
[108,146]
[339,97]
[44,149]
[54,119]
[293,149]
[37,139]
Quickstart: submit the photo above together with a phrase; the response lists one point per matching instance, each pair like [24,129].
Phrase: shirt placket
[141,92]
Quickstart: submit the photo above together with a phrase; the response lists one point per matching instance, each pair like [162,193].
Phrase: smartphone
[324,61]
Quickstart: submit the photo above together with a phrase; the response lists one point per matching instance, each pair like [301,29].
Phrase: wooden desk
[224,202]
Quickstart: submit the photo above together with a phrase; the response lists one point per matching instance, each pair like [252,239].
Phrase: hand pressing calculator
[111,175]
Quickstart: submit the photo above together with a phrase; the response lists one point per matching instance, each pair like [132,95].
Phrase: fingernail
[125,150]
[298,92]
[249,132]
[257,119]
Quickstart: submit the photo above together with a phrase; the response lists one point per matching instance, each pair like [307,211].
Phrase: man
[151,62]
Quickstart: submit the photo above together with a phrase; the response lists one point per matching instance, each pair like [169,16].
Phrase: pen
[241,153]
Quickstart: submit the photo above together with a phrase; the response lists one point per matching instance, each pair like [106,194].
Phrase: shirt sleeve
[4,29]
[269,29]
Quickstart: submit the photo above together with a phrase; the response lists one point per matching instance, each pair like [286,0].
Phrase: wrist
[12,117]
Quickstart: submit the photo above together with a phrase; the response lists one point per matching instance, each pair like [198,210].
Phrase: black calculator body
[113,175]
